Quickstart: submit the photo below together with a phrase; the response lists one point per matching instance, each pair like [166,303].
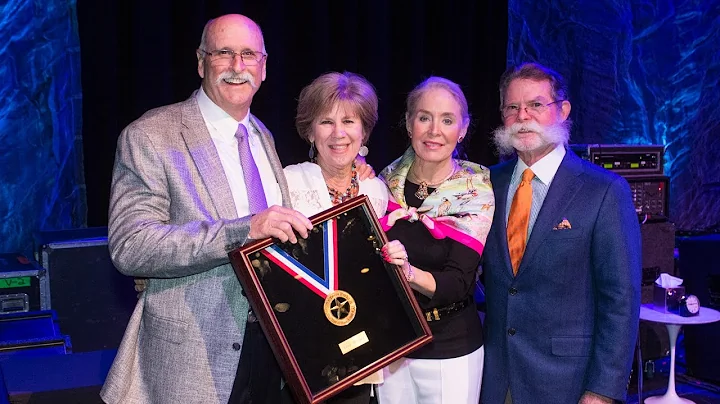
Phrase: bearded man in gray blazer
[178,204]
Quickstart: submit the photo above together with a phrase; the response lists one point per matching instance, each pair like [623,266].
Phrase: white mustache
[531,126]
[557,133]
[232,75]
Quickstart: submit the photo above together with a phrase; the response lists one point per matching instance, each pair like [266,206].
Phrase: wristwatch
[689,306]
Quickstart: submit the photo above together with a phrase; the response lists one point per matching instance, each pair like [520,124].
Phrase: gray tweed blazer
[173,219]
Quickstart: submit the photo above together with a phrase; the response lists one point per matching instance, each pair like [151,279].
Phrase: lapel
[206,158]
[269,146]
[500,178]
[564,187]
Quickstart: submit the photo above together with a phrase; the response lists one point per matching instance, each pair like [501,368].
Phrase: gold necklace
[422,191]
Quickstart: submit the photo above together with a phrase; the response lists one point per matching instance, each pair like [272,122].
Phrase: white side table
[673,322]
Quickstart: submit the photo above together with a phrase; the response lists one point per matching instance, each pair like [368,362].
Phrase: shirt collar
[545,168]
[216,118]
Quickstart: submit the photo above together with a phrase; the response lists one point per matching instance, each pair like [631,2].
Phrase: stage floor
[77,378]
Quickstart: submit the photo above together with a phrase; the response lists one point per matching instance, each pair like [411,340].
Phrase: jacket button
[513,291]
[236,346]
[511,331]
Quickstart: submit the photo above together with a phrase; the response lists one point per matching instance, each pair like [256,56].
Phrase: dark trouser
[257,380]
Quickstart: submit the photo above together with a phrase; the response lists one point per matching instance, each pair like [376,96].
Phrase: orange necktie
[519,218]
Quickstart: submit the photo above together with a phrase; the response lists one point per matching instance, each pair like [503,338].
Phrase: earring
[460,139]
[311,153]
[363,151]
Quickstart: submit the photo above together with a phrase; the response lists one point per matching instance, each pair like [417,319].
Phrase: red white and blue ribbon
[322,287]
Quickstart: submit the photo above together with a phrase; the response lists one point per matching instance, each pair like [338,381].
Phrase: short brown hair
[331,88]
[535,72]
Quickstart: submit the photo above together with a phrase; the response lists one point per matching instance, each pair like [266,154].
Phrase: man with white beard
[562,260]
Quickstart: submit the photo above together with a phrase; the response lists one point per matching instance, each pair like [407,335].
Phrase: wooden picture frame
[333,310]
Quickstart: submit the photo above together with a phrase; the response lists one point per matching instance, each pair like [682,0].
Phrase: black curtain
[138,55]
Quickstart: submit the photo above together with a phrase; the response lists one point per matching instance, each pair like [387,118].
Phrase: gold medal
[339,308]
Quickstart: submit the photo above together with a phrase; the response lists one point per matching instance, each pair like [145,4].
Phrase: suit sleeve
[143,240]
[616,263]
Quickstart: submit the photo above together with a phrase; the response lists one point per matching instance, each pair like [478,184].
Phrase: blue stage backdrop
[41,176]
[640,72]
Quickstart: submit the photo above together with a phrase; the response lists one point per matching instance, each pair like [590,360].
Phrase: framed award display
[333,310]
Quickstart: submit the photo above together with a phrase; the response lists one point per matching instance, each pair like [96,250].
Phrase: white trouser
[433,381]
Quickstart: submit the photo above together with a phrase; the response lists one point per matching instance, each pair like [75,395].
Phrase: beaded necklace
[352,190]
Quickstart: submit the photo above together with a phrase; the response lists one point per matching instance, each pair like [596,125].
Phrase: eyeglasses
[226,56]
[533,108]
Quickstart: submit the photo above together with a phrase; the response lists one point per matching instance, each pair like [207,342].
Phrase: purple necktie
[253,184]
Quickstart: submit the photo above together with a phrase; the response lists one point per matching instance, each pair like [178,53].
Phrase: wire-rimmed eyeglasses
[249,57]
[533,108]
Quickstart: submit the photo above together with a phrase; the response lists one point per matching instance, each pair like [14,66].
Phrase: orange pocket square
[565,224]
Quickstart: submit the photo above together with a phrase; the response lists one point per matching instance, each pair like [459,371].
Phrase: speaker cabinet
[658,256]
[92,299]
[700,269]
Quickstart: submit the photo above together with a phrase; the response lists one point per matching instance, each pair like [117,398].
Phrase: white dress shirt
[222,128]
[544,170]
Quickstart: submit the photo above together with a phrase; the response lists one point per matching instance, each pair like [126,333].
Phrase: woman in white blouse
[336,114]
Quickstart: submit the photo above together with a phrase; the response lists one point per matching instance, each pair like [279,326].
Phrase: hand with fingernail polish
[394,253]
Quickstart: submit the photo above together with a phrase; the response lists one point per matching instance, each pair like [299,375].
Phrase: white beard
[507,142]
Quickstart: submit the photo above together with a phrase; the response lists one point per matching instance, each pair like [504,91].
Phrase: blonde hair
[433,82]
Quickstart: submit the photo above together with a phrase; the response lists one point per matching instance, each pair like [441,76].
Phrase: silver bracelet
[409,275]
